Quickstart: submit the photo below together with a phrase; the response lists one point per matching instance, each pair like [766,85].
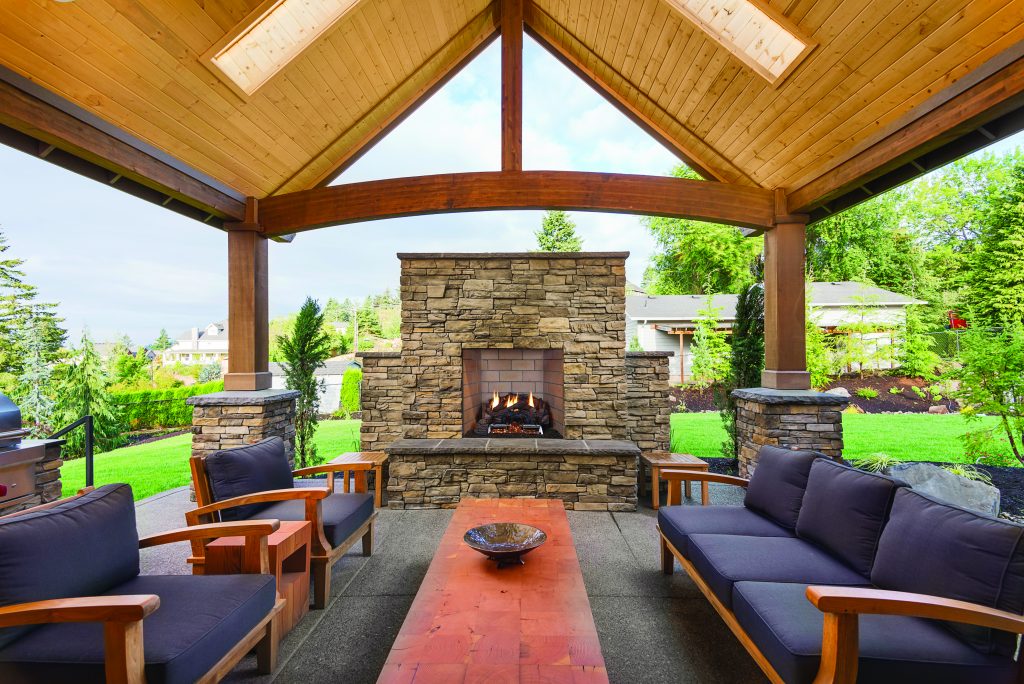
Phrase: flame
[495,401]
[512,400]
[530,401]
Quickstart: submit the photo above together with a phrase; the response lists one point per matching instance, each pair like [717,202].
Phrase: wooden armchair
[338,520]
[122,615]
[676,478]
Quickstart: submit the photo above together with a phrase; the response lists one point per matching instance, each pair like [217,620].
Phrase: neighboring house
[331,373]
[199,346]
[667,322]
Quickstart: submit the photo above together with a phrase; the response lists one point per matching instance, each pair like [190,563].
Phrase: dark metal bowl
[505,542]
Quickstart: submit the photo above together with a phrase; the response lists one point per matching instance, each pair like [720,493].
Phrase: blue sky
[119,265]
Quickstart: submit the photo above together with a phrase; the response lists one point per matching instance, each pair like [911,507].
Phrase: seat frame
[122,615]
[322,555]
[841,606]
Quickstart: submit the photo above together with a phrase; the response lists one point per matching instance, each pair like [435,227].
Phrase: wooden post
[785,341]
[248,318]
[511,85]
[682,361]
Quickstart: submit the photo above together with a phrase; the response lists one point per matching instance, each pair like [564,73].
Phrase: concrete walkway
[652,628]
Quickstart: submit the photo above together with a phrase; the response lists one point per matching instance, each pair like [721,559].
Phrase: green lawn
[158,466]
[908,437]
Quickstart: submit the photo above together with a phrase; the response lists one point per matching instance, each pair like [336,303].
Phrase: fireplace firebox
[513,393]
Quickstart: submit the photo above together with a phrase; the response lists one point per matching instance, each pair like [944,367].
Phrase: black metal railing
[86,423]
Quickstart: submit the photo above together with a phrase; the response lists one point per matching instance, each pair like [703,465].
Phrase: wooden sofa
[74,563]
[256,481]
[827,574]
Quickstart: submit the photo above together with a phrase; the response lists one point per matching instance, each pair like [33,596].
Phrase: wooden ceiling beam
[496,190]
[946,121]
[511,85]
[697,154]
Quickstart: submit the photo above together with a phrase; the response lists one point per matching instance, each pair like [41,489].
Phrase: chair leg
[368,541]
[266,649]
[688,492]
[321,569]
[668,561]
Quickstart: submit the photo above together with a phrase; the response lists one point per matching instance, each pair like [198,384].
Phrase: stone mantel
[514,446]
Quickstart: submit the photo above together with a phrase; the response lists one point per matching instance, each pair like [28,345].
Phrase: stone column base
[800,419]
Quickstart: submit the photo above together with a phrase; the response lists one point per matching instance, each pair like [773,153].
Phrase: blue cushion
[787,628]
[777,486]
[342,514]
[199,620]
[245,470]
[679,522]
[80,547]
[724,559]
[844,512]
[932,547]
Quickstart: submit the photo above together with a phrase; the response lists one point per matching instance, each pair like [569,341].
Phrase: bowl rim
[538,541]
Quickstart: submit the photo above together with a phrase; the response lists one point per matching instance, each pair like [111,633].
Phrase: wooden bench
[657,461]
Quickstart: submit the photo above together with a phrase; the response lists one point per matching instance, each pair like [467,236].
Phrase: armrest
[260,497]
[128,608]
[700,476]
[331,468]
[853,601]
[243,528]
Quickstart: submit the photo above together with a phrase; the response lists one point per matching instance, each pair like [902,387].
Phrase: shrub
[866,393]
[350,382]
[895,390]
[874,463]
[146,409]
[968,472]
[919,392]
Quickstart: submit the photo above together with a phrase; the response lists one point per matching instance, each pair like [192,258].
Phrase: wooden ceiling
[138,65]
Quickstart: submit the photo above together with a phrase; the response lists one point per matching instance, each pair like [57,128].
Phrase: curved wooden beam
[736,205]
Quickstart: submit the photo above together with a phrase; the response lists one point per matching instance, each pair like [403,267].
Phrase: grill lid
[10,423]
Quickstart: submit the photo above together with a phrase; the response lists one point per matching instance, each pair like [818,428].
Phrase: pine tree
[558,234]
[35,390]
[305,350]
[748,337]
[818,352]
[84,391]
[369,322]
[916,354]
[162,342]
[995,282]
[19,306]
[710,348]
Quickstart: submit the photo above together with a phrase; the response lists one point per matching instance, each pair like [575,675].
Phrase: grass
[158,466]
[155,467]
[905,437]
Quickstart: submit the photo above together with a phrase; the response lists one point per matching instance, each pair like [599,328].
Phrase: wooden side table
[662,459]
[376,459]
[289,560]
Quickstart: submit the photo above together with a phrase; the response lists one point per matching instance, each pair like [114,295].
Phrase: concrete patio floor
[652,628]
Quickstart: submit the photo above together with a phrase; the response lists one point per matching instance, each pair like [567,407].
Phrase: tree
[84,391]
[369,322]
[558,233]
[991,379]
[304,350]
[857,347]
[818,351]
[995,282]
[209,372]
[916,355]
[35,390]
[162,342]
[350,386]
[693,257]
[748,337]
[710,349]
[19,306]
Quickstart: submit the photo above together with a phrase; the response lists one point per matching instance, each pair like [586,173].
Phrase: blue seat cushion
[199,620]
[776,488]
[80,547]
[845,511]
[932,547]
[245,470]
[343,514]
[786,627]
[679,522]
[723,560]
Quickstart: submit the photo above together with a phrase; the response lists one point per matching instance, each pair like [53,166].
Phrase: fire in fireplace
[514,414]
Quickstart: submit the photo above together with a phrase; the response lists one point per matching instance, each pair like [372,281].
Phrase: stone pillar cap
[239,398]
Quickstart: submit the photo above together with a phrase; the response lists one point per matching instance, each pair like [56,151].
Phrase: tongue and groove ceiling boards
[770,93]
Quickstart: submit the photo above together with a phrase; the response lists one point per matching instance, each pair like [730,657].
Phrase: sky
[117,265]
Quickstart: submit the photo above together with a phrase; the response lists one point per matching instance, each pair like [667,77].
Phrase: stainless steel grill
[11,431]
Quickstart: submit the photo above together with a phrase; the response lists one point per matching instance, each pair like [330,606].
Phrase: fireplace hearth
[514,415]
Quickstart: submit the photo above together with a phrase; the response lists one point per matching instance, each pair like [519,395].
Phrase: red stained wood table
[472,622]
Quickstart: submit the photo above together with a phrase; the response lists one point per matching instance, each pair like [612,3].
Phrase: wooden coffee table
[662,460]
[471,621]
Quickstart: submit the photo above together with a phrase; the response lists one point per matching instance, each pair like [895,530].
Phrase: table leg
[655,488]
[675,493]
[688,493]
[377,475]
[704,498]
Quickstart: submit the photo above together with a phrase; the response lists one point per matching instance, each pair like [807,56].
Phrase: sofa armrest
[842,607]
[701,476]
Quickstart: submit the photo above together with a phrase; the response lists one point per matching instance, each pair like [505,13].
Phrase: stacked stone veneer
[230,419]
[47,486]
[648,411]
[789,418]
[384,386]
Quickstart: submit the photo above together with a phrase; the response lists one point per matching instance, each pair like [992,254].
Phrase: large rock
[944,485]
[839,392]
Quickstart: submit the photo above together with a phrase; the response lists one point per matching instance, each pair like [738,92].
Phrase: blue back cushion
[777,486]
[845,511]
[245,470]
[82,547]
[931,547]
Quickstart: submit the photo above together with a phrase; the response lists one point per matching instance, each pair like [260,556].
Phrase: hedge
[350,390]
[147,409]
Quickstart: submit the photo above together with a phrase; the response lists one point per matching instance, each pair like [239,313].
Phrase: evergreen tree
[558,233]
[303,351]
[916,354]
[335,311]
[19,306]
[163,342]
[369,322]
[35,390]
[710,349]
[84,392]
[820,365]
[748,337]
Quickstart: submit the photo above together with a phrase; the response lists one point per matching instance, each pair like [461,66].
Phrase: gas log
[514,414]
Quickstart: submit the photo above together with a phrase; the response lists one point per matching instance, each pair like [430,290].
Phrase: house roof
[221,334]
[822,294]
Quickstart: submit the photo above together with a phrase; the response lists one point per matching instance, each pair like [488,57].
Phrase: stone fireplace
[513,381]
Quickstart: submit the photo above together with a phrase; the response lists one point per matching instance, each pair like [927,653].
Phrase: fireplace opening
[513,393]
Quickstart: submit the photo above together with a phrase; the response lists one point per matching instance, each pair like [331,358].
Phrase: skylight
[759,36]
[271,37]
